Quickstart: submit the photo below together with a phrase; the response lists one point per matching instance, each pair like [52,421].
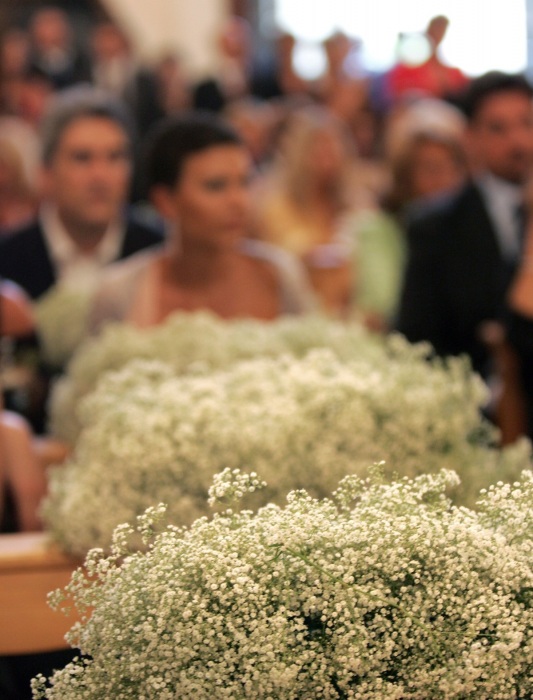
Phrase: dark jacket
[25,258]
[456,278]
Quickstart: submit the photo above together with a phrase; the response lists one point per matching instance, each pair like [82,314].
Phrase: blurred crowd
[128,191]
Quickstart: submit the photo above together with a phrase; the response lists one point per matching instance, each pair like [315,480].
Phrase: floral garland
[151,436]
[384,591]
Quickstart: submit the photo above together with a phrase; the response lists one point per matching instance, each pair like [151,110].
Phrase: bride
[198,174]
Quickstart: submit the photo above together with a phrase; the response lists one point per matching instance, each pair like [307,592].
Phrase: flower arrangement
[61,315]
[151,436]
[385,591]
[188,341]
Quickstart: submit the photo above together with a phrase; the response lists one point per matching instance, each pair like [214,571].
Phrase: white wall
[190,26]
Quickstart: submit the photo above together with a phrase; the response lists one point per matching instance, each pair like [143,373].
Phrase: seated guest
[54,49]
[82,225]
[199,180]
[115,68]
[22,482]
[309,199]
[430,166]
[463,253]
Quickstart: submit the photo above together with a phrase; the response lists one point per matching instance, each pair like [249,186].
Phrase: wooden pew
[31,567]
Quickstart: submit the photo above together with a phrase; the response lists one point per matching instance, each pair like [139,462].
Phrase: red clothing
[430,78]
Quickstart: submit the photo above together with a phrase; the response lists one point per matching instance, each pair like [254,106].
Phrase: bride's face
[211,202]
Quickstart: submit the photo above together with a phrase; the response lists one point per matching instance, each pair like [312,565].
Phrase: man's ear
[164,200]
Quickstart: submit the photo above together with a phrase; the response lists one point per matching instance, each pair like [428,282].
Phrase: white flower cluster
[61,315]
[151,436]
[391,593]
[507,507]
[231,486]
[192,341]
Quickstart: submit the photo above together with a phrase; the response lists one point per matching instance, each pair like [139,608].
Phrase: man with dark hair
[83,223]
[464,252]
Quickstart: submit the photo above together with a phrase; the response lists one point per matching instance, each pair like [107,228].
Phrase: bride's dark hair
[172,141]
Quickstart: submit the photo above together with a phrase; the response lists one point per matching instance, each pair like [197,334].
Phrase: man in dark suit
[83,223]
[464,252]
[82,226]
[26,257]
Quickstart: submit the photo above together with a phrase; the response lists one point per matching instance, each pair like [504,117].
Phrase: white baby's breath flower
[153,434]
[61,317]
[401,596]
[195,342]
[231,485]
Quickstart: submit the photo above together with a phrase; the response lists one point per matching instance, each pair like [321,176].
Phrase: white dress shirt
[76,268]
[502,200]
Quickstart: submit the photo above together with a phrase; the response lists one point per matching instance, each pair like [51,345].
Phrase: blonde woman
[429,166]
[310,194]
